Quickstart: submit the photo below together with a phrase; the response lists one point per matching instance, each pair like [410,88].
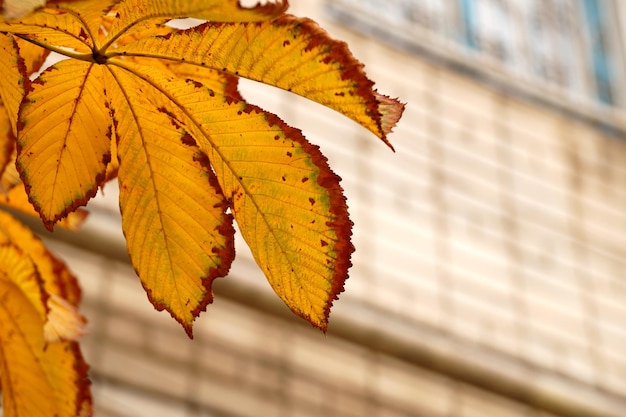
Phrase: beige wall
[494,237]
[496,220]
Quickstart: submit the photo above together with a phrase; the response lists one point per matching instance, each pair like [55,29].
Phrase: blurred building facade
[489,277]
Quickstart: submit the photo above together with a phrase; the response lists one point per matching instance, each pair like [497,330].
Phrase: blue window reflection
[559,42]
[564,40]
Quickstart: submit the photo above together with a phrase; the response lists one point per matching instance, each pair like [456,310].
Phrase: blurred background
[489,277]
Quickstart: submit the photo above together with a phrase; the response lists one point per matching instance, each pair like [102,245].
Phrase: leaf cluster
[157,108]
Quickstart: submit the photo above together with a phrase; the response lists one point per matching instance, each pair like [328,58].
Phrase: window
[563,43]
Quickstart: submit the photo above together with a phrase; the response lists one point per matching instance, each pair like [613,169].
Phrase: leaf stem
[60,50]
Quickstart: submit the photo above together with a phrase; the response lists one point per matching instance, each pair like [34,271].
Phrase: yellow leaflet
[173,213]
[292,53]
[10,178]
[14,69]
[33,55]
[219,82]
[53,373]
[114,164]
[7,140]
[285,199]
[16,198]
[64,140]
[52,28]
[13,195]
[132,12]
[16,269]
[55,277]
[142,29]
[13,72]
[91,13]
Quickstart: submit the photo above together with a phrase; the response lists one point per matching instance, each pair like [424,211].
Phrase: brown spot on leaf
[188,140]
[340,224]
[305,179]
[195,83]
[202,159]
[323,243]
[38,81]
[289,154]
[170,115]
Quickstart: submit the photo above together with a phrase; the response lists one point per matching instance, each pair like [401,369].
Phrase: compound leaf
[189,153]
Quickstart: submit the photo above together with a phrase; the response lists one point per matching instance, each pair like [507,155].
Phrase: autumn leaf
[41,367]
[18,59]
[173,212]
[13,196]
[133,12]
[60,169]
[291,53]
[189,154]
[56,278]
[13,70]
[7,139]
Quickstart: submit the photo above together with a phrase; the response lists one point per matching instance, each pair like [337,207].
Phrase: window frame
[447,51]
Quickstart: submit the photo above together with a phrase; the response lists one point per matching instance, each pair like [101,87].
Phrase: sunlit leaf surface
[13,70]
[173,212]
[158,107]
[292,53]
[13,195]
[41,367]
[64,139]
[286,200]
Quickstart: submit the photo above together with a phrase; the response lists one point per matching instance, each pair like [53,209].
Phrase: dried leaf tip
[391,111]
